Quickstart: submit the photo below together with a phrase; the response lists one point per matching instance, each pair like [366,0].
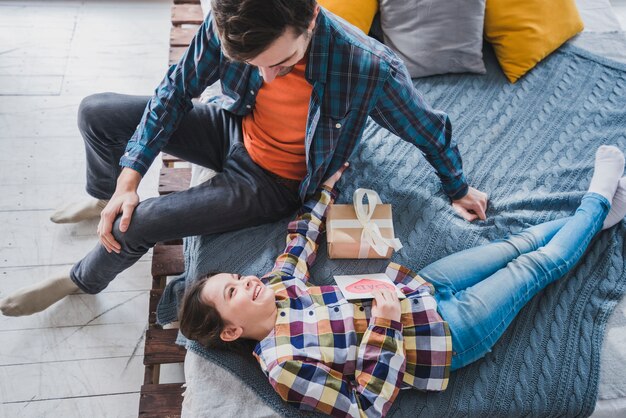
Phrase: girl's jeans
[480,290]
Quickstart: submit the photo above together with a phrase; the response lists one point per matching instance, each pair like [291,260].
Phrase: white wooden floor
[83,357]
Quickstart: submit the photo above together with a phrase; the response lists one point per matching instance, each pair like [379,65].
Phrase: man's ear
[315,13]
[231,333]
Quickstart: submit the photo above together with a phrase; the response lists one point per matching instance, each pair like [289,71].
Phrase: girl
[343,358]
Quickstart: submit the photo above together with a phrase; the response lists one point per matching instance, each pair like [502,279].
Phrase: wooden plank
[155,297]
[180,36]
[176,52]
[135,278]
[113,405]
[161,400]
[183,14]
[66,379]
[71,343]
[167,260]
[78,310]
[174,180]
[161,347]
[169,160]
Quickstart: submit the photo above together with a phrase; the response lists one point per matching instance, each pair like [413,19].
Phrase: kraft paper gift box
[361,230]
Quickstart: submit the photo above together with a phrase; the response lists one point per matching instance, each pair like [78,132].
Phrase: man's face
[242,301]
[282,55]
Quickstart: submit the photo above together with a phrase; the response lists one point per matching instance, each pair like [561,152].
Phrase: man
[298,87]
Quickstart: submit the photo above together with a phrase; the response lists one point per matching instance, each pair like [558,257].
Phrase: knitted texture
[531,147]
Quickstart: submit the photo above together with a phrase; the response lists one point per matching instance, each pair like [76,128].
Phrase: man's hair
[202,322]
[248,27]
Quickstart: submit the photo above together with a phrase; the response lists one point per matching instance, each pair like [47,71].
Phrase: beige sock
[83,210]
[37,297]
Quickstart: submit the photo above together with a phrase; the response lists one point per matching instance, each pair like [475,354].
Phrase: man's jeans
[479,291]
[242,194]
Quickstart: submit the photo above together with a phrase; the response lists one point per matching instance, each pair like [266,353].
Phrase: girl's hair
[202,322]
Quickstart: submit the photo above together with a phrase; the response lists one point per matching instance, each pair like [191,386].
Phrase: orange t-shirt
[273,133]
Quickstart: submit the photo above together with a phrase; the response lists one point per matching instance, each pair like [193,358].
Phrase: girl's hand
[330,182]
[386,305]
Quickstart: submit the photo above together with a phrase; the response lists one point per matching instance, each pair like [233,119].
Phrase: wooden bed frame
[158,399]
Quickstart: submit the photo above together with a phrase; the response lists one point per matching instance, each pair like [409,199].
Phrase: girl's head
[219,310]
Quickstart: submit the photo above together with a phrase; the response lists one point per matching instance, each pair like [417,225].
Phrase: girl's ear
[231,333]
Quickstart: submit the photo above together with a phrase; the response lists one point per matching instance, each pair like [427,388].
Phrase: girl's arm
[380,369]
[305,232]
[304,235]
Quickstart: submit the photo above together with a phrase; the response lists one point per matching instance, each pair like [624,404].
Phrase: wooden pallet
[158,400]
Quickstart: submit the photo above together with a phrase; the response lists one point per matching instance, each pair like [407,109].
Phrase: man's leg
[242,195]
[107,121]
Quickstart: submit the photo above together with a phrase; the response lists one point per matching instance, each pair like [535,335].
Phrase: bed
[214,391]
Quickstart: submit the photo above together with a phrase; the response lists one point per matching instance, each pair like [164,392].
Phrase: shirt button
[282,314]
[336,309]
[311,313]
[252,92]
[338,125]
[361,308]
[248,106]
[415,301]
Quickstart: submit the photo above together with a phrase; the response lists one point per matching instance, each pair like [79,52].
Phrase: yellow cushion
[358,12]
[523,32]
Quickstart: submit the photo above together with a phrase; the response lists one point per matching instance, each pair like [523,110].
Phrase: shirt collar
[317,66]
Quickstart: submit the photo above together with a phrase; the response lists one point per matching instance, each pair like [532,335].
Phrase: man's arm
[197,69]
[402,110]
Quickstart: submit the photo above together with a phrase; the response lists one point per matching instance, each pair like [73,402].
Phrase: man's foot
[38,297]
[608,169]
[83,210]
[618,206]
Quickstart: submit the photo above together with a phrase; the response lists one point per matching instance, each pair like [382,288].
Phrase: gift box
[361,230]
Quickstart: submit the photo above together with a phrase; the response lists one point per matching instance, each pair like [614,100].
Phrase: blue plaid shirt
[353,77]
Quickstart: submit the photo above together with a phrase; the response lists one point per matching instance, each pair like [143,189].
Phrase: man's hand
[472,206]
[124,201]
[386,305]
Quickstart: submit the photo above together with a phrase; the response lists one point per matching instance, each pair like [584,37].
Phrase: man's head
[220,309]
[270,34]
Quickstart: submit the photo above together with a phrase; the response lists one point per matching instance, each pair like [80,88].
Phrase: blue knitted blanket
[530,146]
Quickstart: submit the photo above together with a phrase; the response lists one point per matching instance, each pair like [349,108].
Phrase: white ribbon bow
[371,236]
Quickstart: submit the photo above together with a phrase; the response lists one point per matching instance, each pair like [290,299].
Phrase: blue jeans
[480,290]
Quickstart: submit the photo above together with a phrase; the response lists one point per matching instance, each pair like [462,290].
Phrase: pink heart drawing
[368,285]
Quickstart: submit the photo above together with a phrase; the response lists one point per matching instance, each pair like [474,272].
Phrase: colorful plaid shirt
[330,354]
[353,77]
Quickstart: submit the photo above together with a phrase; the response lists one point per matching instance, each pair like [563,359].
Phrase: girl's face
[243,302]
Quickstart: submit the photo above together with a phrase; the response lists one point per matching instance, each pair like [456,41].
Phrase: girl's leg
[480,314]
[461,270]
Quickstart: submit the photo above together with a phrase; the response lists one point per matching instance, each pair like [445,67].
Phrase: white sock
[608,169]
[78,211]
[618,206]
[37,297]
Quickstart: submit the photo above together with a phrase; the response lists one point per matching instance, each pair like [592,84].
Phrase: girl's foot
[83,210]
[38,297]
[608,169]
[618,205]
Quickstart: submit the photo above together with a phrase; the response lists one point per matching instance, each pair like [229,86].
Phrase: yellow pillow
[523,32]
[358,12]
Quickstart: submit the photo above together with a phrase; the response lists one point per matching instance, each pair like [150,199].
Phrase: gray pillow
[435,36]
